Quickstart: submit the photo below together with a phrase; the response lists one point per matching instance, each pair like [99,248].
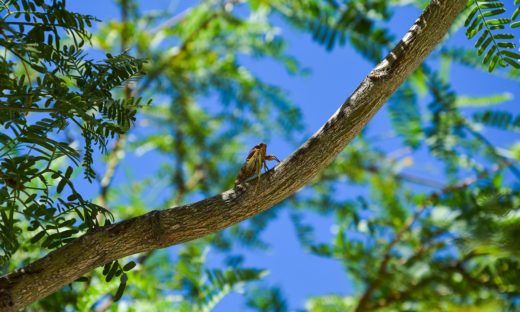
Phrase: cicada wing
[250,166]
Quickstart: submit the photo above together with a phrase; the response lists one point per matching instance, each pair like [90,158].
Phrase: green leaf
[112,271]
[130,265]
[121,288]
[512,62]
[68,173]
[37,237]
[30,198]
[494,62]
[515,14]
[61,184]
[82,279]
[489,54]
[73,197]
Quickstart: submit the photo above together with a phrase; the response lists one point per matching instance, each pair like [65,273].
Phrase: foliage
[405,116]
[49,92]
[409,238]
[333,22]
[495,41]
[499,119]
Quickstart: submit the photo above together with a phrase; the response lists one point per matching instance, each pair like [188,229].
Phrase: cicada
[255,161]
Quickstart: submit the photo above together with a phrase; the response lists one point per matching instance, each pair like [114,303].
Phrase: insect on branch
[255,161]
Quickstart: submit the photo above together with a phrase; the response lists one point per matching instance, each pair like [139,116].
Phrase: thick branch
[159,229]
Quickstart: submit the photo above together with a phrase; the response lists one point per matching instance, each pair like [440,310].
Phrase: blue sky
[333,76]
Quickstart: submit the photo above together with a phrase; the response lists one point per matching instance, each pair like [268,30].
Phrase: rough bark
[159,229]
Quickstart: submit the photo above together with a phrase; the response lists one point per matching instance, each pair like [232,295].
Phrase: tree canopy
[178,85]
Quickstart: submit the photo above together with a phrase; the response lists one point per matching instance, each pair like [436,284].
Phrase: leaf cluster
[490,21]
[334,23]
[51,93]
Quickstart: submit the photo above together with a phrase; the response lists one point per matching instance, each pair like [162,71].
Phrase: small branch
[409,178]
[421,251]
[154,73]
[406,177]
[178,176]
[172,21]
[113,161]
[28,109]
[163,228]
[503,160]
[400,295]
[419,180]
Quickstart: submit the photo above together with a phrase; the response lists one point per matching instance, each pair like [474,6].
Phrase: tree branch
[159,229]
[114,158]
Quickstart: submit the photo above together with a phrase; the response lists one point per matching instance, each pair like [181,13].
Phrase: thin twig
[154,73]
[178,176]
[28,109]
[172,21]
[114,158]
[408,177]
[514,170]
